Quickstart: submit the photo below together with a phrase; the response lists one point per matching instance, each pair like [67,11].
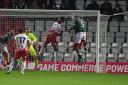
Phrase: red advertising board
[108,67]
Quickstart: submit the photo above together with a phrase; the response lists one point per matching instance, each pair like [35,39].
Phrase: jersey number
[21,41]
[82,24]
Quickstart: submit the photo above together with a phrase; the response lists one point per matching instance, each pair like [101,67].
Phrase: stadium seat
[91,28]
[102,57]
[125,48]
[112,58]
[120,37]
[89,39]
[109,37]
[29,23]
[123,58]
[105,48]
[113,24]
[124,24]
[50,48]
[62,47]
[89,36]
[39,27]
[68,57]
[123,29]
[70,47]
[126,37]
[39,23]
[49,22]
[47,56]
[90,57]
[58,58]
[92,23]
[70,23]
[66,37]
[120,34]
[102,38]
[116,48]
[92,47]
[47,28]
[113,29]
[44,33]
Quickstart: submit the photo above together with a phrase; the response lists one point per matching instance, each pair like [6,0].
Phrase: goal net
[41,20]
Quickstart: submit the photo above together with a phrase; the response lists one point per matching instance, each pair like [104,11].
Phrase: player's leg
[83,42]
[34,55]
[24,57]
[46,41]
[17,62]
[55,45]
[6,55]
[16,55]
[42,49]
[23,64]
[76,47]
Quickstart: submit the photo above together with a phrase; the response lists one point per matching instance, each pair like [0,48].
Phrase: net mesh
[42,20]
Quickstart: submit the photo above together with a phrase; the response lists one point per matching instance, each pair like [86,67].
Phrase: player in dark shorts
[4,39]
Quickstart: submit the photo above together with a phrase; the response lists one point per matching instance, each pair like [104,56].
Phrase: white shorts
[3,48]
[80,36]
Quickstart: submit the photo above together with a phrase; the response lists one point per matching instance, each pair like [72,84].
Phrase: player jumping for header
[52,35]
[80,36]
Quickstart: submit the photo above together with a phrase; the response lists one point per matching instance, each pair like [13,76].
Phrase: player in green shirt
[80,36]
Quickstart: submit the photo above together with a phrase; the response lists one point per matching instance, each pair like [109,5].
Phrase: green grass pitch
[61,78]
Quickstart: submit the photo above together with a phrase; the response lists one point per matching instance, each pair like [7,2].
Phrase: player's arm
[59,33]
[28,43]
[34,39]
[73,27]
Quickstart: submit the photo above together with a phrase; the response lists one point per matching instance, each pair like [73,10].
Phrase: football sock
[22,66]
[11,66]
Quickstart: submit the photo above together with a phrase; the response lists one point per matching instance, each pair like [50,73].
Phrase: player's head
[75,17]
[61,19]
[12,33]
[21,31]
[28,29]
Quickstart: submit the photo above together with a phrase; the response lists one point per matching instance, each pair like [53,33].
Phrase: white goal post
[40,20]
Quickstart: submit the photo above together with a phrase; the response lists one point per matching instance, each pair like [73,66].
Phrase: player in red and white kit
[52,35]
[21,50]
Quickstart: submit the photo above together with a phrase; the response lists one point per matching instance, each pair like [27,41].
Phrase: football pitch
[61,78]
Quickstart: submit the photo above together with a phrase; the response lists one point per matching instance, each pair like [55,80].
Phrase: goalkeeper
[33,40]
